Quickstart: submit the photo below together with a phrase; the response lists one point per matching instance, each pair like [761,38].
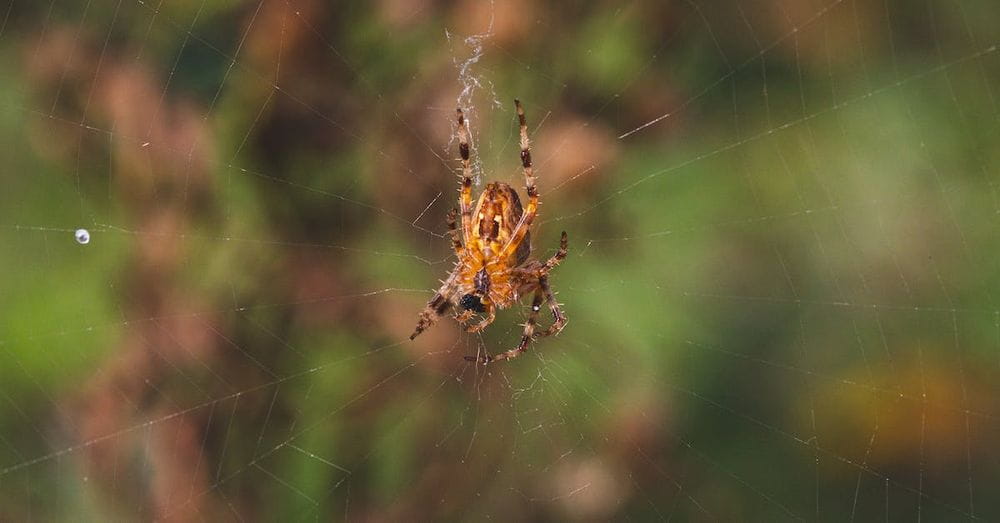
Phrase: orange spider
[493,269]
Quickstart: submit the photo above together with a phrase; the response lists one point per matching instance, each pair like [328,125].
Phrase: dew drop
[82,236]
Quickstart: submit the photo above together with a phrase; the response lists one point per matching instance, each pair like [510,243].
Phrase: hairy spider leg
[529,334]
[491,314]
[437,306]
[559,321]
[465,199]
[456,235]
[521,230]
[464,316]
[559,256]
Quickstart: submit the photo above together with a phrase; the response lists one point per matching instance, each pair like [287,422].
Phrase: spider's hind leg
[456,235]
[465,193]
[521,229]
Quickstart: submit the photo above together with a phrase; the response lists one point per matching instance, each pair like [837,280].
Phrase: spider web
[780,287]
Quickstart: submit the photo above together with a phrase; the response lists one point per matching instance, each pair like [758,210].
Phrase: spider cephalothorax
[493,247]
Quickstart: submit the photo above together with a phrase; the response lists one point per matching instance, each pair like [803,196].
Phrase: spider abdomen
[497,213]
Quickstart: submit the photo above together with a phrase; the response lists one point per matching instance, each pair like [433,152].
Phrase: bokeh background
[782,292]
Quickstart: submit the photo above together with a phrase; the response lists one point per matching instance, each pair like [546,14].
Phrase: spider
[493,248]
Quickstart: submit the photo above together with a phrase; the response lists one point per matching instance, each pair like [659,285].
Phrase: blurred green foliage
[780,292]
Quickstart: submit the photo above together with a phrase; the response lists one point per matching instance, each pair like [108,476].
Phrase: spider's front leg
[559,256]
[436,307]
[559,321]
[529,334]
[464,316]
[491,315]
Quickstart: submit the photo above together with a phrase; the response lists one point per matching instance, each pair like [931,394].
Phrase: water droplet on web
[82,236]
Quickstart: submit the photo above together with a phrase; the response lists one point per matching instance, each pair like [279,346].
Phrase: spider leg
[464,316]
[490,316]
[436,307]
[529,334]
[521,230]
[456,238]
[465,193]
[559,256]
[557,315]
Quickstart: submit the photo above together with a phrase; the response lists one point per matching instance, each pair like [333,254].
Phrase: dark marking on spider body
[471,302]
[482,282]
[493,247]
